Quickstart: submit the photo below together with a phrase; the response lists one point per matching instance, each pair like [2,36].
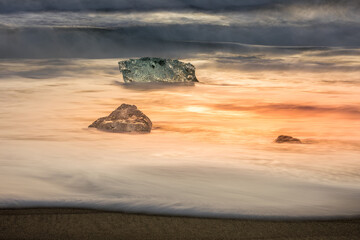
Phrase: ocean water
[211,151]
[266,68]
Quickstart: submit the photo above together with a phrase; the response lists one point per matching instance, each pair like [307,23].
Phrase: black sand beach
[67,223]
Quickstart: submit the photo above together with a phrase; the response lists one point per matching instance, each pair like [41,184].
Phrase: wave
[126,5]
[159,210]
[179,41]
[184,191]
[102,29]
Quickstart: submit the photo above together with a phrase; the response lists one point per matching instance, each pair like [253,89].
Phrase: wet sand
[68,223]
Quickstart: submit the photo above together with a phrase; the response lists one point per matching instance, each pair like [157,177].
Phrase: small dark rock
[125,119]
[287,139]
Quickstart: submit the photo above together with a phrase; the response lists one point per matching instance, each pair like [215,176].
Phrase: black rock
[287,139]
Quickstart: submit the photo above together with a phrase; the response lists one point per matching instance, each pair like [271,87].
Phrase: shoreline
[78,223]
[199,215]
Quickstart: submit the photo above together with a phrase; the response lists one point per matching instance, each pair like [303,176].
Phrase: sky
[109,28]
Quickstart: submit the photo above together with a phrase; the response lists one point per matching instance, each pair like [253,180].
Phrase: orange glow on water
[227,121]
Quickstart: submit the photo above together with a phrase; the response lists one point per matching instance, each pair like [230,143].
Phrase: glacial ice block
[148,69]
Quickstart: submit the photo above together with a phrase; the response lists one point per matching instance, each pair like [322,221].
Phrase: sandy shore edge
[73,223]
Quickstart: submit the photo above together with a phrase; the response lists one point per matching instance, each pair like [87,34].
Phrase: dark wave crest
[165,41]
[7,6]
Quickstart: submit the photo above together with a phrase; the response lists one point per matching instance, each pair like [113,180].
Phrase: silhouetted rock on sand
[287,139]
[157,70]
[125,119]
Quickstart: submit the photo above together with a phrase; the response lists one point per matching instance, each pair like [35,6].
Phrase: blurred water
[211,151]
